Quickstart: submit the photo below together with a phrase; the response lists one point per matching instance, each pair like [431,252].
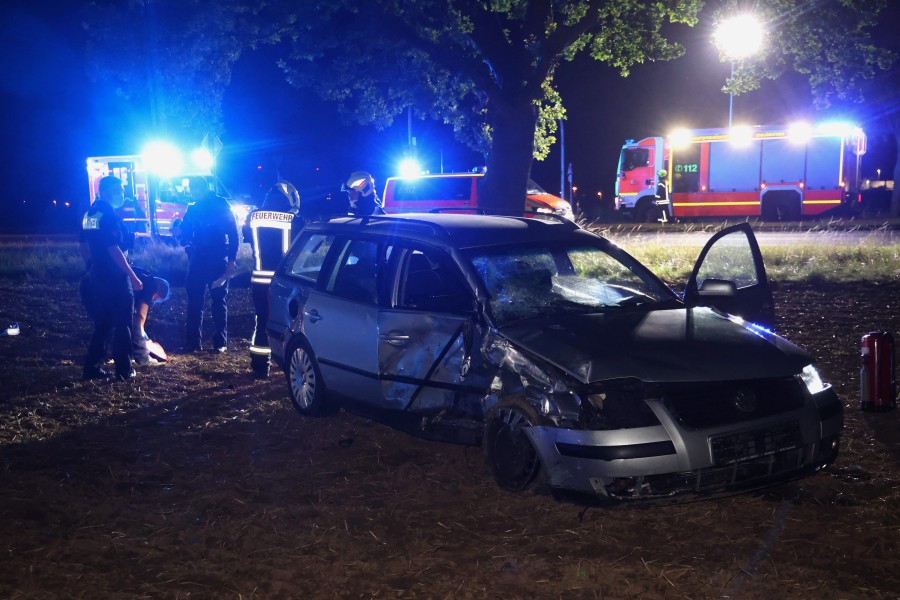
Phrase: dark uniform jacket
[101,229]
[209,230]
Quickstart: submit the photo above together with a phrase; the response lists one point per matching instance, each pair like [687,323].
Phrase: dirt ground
[197,481]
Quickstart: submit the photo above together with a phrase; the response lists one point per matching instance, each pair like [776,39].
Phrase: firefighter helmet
[283,193]
[360,181]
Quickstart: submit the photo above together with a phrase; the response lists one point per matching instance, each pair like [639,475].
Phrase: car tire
[642,212]
[508,453]
[304,380]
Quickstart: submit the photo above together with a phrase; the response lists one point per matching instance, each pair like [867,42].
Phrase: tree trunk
[505,186]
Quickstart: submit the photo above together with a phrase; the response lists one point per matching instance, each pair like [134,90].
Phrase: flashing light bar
[799,133]
[409,167]
[166,160]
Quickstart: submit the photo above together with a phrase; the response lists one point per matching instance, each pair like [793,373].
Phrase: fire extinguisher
[878,386]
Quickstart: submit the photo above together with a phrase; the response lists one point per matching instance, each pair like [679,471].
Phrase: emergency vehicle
[156,194]
[423,193]
[774,172]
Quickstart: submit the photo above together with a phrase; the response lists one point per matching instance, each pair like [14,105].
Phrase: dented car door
[428,337]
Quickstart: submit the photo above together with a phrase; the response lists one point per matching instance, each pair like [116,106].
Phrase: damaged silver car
[569,362]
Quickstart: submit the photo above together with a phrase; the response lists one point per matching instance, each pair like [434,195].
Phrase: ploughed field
[197,481]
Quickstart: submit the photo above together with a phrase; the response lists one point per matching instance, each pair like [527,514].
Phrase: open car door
[729,275]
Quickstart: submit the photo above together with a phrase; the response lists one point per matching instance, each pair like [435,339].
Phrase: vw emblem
[745,400]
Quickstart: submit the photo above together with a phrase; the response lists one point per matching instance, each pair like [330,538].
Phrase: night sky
[52,119]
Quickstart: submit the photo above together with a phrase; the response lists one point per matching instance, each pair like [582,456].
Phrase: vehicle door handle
[313,315]
[395,339]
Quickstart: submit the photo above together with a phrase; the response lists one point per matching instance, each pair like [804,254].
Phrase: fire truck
[782,173]
[156,193]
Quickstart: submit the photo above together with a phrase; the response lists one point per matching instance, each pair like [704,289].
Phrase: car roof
[457,230]
[437,175]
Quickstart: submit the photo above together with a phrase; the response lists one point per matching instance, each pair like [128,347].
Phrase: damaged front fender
[539,385]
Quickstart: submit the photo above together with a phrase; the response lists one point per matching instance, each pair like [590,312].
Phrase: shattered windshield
[529,281]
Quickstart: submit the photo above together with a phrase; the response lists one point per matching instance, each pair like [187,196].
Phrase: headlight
[811,378]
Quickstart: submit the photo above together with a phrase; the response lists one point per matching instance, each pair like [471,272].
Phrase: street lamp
[737,38]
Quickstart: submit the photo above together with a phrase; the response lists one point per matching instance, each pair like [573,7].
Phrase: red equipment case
[878,386]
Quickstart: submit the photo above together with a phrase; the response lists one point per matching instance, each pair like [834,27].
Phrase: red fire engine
[156,193]
[774,172]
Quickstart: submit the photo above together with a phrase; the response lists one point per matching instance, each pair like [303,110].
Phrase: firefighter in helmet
[362,198]
[269,230]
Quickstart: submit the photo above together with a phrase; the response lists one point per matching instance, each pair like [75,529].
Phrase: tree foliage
[172,58]
[830,41]
[847,48]
[484,67]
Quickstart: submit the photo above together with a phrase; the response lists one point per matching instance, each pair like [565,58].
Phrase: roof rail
[499,212]
[394,220]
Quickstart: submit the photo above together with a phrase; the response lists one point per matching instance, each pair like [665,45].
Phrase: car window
[731,259]
[309,260]
[433,188]
[355,274]
[430,282]
[531,281]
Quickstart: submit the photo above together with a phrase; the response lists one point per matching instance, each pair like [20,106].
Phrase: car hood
[678,345]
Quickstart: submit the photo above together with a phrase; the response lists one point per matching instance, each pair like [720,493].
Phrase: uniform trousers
[259,345]
[113,302]
[202,272]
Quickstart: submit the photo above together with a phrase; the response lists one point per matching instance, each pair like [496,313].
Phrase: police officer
[269,230]
[210,238]
[112,281]
[361,196]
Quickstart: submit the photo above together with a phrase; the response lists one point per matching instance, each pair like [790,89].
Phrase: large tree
[484,66]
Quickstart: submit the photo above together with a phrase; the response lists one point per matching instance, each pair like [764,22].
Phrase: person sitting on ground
[156,290]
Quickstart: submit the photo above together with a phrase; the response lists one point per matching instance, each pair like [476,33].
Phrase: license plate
[750,445]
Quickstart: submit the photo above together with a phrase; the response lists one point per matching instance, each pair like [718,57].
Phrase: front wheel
[305,381]
[508,452]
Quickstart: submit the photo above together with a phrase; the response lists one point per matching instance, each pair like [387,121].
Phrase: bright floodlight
[409,168]
[740,135]
[680,138]
[163,158]
[739,37]
[836,128]
[800,133]
[203,159]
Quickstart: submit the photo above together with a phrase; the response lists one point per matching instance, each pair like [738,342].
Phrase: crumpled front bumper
[667,460]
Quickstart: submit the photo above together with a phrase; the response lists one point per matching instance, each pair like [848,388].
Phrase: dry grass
[197,481]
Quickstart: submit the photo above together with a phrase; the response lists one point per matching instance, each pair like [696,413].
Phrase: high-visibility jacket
[271,234]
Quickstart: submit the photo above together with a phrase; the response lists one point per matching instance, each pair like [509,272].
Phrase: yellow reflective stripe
[821,202]
[262,273]
[628,193]
[265,280]
[715,203]
[261,350]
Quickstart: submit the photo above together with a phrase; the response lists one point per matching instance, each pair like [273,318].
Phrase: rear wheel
[781,205]
[643,212]
[508,452]
[305,381]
